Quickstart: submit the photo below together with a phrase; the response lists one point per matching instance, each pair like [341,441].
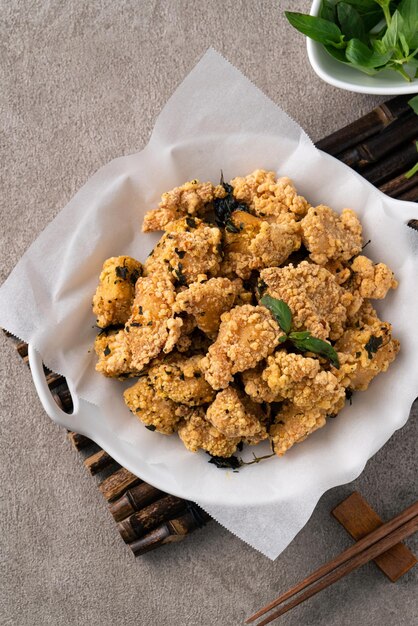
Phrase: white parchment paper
[215,120]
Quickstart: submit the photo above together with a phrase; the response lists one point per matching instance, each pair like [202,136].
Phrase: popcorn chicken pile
[251,318]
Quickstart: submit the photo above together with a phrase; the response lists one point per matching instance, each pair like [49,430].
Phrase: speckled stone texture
[82,83]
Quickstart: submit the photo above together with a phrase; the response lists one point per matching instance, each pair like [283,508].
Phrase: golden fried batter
[192,198]
[247,334]
[316,300]
[114,355]
[329,236]
[151,326]
[339,270]
[256,387]
[371,349]
[188,249]
[234,415]
[198,434]
[293,425]
[257,244]
[364,316]
[114,296]
[180,378]
[300,379]
[268,197]
[159,413]
[372,280]
[191,325]
[206,301]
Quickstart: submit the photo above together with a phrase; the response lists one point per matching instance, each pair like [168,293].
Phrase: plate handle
[69,420]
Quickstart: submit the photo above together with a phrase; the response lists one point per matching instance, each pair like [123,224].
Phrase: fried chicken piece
[114,296]
[184,341]
[189,248]
[256,243]
[247,334]
[175,328]
[339,270]
[267,197]
[329,236]
[364,316]
[152,327]
[198,434]
[293,425]
[372,280]
[234,415]
[245,296]
[180,379]
[192,198]
[114,355]
[300,379]
[370,348]
[317,302]
[195,343]
[256,387]
[206,301]
[160,414]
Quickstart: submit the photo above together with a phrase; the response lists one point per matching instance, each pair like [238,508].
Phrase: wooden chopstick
[348,560]
[367,555]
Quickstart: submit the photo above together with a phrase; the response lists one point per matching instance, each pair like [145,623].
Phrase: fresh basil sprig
[318,346]
[413,103]
[302,340]
[280,310]
[369,35]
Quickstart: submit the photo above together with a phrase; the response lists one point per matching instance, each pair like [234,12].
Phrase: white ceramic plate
[350,79]
[333,455]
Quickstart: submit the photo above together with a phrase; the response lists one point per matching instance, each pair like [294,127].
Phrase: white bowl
[343,76]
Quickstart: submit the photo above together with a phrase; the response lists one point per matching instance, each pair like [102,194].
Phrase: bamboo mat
[381,147]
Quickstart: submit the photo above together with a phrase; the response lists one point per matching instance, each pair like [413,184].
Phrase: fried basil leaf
[318,346]
[373,345]
[280,311]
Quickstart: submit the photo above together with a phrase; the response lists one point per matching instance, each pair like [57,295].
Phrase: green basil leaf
[362,5]
[328,11]
[383,3]
[408,9]
[318,346]
[280,311]
[315,27]
[337,53]
[378,46]
[372,19]
[370,71]
[351,23]
[299,336]
[413,103]
[360,55]
[404,44]
[371,13]
[390,38]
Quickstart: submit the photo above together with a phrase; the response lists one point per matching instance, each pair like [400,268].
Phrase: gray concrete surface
[82,83]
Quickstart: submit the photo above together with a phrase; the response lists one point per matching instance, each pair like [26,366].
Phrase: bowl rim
[313,48]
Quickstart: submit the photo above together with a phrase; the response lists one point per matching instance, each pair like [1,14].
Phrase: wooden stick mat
[381,147]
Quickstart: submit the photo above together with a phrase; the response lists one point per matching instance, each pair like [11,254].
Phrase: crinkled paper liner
[216,119]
